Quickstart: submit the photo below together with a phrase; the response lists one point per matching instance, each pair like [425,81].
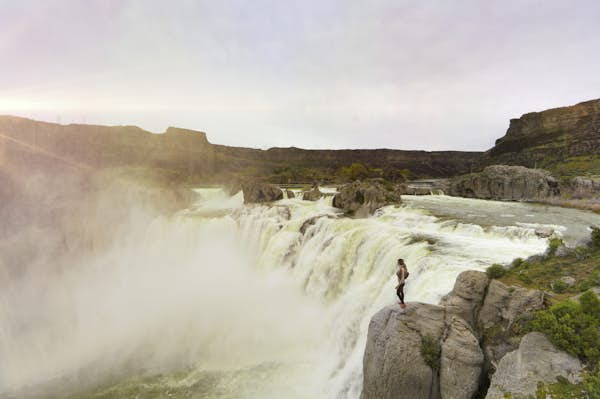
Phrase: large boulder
[501,182]
[536,360]
[584,187]
[312,195]
[363,198]
[394,366]
[466,298]
[461,361]
[504,305]
[259,192]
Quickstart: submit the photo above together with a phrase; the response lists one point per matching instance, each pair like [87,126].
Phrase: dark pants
[400,293]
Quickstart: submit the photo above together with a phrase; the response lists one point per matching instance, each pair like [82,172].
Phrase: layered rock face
[536,360]
[23,142]
[584,187]
[363,198]
[457,334]
[556,133]
[500,182]
[189,151]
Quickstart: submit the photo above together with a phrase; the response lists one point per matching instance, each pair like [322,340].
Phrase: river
[231,301]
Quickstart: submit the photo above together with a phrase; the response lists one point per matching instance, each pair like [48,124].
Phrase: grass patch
[431,351]
[582,263]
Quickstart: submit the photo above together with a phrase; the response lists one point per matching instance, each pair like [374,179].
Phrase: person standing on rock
[402,274]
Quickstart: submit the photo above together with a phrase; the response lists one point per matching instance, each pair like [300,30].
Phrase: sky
[403,74]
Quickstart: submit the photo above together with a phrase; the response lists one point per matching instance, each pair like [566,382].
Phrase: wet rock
[544,232]
[363,198]
[290,194]
[259,192]
[312,195]
[501,182]
[536,360]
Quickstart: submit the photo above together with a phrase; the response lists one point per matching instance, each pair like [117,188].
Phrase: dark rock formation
[363,198]
[312,195]
[290,194]
[549,136]
[500,182]
[536,360]
[258,192]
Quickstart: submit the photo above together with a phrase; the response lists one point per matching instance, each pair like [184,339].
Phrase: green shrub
[496,271]
[553,245]
[590,305]
[430,350]
[592,383]
[572,327]
[559,286]
[595,238]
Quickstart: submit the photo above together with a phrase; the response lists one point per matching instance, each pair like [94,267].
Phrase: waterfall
[249,301]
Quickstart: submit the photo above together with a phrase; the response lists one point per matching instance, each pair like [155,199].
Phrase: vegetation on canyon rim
[573,325]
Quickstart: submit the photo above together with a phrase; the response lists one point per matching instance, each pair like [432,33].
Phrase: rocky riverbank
[452,350]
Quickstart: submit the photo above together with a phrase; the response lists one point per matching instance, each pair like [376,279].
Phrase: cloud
[395,74]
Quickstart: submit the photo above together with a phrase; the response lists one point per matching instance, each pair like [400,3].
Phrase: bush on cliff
[595,238]
[431,351]
[573,327]
[496,271]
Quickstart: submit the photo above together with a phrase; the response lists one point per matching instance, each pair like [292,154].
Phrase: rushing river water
[232,301]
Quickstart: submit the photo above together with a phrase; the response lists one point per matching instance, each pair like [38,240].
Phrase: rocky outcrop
[312,195]
[290,194]
[504,304]
[536,360]
[466,298]
[363,198]
[464,338]
[554,134]
[461,362]
[501,182]
[259,192]
[394,365]
[584,187]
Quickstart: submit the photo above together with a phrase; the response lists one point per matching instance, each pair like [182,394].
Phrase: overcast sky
[434,75]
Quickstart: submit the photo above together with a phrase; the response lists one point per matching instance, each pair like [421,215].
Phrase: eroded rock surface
[363,198]
[501,182]
[259,192]
[536,360]
[394,366]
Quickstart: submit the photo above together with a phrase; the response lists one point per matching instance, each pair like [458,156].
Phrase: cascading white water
[253,301]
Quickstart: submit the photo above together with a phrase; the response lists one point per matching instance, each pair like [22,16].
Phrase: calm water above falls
[233,301]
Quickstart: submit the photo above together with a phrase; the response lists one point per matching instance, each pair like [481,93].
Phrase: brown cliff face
[550,138]
[189,153]
[31,143]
